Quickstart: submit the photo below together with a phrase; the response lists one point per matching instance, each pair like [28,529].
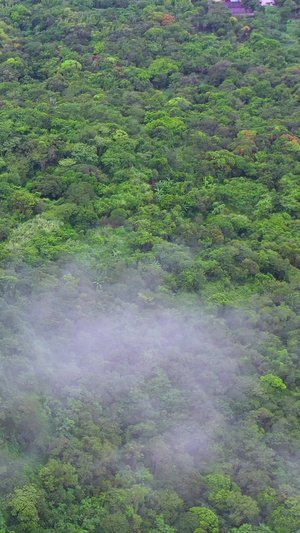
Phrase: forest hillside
[149,267]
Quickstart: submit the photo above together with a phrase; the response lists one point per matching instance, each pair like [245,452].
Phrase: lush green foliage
[150,254]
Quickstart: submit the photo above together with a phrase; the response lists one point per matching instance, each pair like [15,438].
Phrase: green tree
[23,505]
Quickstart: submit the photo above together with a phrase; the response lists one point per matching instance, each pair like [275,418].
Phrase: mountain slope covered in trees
[149,277]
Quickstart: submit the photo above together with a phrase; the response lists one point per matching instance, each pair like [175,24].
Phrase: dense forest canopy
[149,277]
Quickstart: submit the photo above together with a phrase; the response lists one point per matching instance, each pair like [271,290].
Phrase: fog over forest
[149,267]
